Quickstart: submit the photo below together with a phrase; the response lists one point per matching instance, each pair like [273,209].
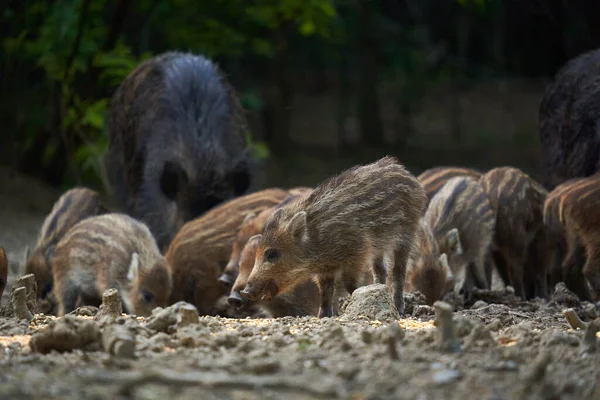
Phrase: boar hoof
[235,300]
[226,280]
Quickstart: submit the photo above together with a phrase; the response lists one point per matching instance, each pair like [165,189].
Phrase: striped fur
[353,220]
[434,179]
[519,202]
[3,271]
[200,250]
[579,214]
[110,251]
[252,225]
[302,300]
[462,222]
[73,206]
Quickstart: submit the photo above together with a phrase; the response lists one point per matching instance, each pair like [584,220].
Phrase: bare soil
[508,349]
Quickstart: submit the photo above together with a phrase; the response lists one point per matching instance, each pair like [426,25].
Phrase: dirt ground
[505,348]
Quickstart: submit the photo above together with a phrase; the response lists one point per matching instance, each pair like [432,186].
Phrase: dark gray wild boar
[519,203]
[569,114]
[3,271]
[110,251]
[302,300]
[462,221]
[177,142]
[72,207]
[200,250]
[352,221]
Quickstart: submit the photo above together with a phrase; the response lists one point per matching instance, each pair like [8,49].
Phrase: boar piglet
[110,251]
[3,271]
[72,207]
[428,269]
[580,215]
[519,204]
[300,301]
[434,179]
[200,250]
[462,222]
[351,221]
[177,142]
[252,225]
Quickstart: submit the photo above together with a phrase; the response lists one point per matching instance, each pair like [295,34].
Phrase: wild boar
[110,251]
[200,250]
[568,117]
[72,207]
[519,203]
[3,271]
[353,220]
[177,142]
[462,221]
[434,178]
[299,301]
[579,213]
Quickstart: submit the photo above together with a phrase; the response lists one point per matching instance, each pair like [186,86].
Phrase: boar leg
[379,271]
[572,272]
[67,296]
[501,266]
[326,285]
[488,266]
[398,276]
[591,269]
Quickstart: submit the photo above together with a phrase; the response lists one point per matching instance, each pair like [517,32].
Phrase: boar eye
[271,255]
[147,296]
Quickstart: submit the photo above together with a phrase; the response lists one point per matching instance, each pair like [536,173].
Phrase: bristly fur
[434,179]
[351,221]
[200,250]
[177,142]
[72,207]
[519,202]
[3,271]
[579,214]
[98,254]
[462,222]
[568,120]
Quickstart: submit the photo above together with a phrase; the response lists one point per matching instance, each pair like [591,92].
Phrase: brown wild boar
[252,225]
[73,206]
[567,254]
[519,202]
[434,178]
[201,249]
[461,220]
[579,212]
[110,251]
[352,221]
[300,301]
[3,271]
[428,270]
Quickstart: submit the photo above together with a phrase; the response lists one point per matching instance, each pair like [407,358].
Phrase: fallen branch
[573,319]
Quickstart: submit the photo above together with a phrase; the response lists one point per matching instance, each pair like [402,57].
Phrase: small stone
[111,306]
[19,304]
[446,330]
[445,376]
[260,367]
[119,341]
[373,302]
[479,304]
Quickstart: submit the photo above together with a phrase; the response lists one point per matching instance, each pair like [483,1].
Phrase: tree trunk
[368,59]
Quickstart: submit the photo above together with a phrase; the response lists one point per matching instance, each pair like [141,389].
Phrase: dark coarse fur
[519,203]
[428,271]
[252,225]
[569,115]
[301,301]
[110,251]
[566,253]
[200,250]
[434,179]
[462,221]
[73,206]
[177,142]
[579,212]
[3,270]
[352,221]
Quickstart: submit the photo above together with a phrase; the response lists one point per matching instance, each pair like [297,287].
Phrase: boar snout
[235,300]
[226,280]
[269,290]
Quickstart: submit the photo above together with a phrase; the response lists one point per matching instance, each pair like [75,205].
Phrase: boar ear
[453,240]
[134,267]
[444,263]
[249,217]
[298,225]
[254,240]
